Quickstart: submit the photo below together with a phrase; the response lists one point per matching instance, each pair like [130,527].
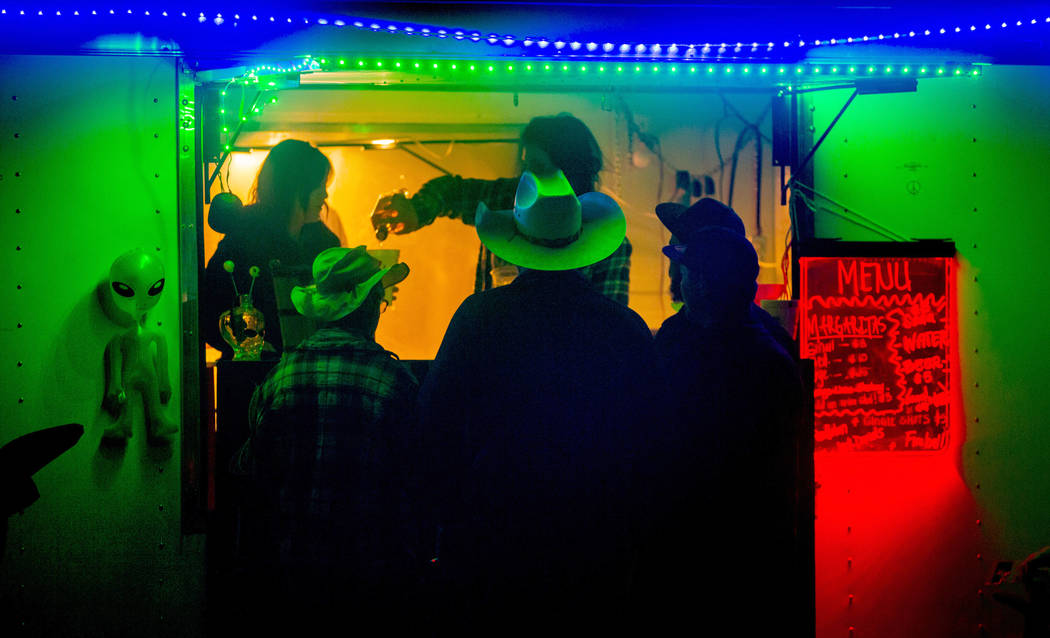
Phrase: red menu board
[877,329]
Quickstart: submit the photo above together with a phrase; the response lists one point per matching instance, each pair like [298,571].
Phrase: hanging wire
[851,216]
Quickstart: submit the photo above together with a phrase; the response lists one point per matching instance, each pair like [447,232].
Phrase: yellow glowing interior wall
[443,255]
[88,166]
[963,159]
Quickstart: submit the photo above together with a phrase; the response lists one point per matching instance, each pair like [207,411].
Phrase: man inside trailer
[556,142]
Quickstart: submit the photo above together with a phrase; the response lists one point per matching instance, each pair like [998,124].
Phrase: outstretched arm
[448,196]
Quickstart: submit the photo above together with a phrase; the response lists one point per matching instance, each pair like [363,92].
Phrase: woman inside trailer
[282,221]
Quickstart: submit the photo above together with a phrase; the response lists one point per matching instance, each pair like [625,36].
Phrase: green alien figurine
[136,359]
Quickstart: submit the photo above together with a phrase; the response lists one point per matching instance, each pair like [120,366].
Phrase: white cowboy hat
[550,228]
[343,278]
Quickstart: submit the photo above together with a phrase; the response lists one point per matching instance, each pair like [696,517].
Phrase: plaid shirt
[458,197]
[327,450]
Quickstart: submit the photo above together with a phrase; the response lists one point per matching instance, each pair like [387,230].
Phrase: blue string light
[571,46]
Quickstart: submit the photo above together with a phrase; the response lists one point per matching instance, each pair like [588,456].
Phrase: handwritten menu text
[877,330]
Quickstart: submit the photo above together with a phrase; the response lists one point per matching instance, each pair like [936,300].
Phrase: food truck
[886,162]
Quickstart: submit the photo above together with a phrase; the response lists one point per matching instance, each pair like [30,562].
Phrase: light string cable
[846,213]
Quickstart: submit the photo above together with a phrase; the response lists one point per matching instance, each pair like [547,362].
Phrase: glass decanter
[243,328]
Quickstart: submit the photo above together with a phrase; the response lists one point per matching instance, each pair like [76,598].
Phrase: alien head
[135,282]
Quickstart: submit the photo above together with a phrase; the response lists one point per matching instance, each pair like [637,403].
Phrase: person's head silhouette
[719,271]
[291,186]
[562,142]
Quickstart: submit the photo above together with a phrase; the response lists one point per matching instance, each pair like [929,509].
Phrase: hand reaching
[394,213]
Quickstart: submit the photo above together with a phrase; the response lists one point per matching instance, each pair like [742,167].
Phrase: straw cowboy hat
[550,228]
[343,277]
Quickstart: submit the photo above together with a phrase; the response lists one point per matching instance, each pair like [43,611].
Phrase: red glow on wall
[877,329]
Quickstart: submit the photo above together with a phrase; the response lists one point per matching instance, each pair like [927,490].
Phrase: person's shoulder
[385,375]
[769,356]
[672,326]
[611,313]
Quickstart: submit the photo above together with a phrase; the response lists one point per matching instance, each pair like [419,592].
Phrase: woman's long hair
[291,171]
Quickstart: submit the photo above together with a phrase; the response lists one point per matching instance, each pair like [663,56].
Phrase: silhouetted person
[549,143]
[535,407]
[721,549]
[707,212]
[281,221]
[329,457]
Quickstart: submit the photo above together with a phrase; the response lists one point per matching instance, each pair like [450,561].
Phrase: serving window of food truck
[666,133]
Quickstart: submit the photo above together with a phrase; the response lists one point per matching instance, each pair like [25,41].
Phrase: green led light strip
[526,67]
